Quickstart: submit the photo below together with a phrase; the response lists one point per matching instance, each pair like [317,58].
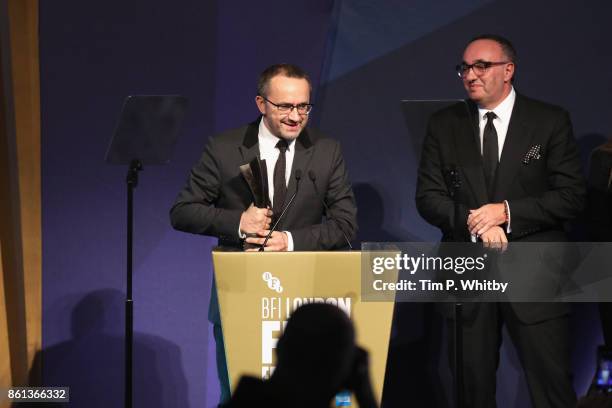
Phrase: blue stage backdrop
[364,58]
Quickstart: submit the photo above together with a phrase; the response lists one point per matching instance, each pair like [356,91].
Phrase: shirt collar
[503,111]
[268,140]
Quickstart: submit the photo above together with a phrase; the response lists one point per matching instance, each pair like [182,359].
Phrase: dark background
[364,57]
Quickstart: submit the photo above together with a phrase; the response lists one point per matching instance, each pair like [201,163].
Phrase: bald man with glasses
[506,168]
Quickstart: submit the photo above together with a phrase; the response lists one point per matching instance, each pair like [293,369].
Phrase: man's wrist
[289,240]
[506,217]
[241,233]
[508,221]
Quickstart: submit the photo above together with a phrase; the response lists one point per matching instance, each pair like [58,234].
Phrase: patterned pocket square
[532,154]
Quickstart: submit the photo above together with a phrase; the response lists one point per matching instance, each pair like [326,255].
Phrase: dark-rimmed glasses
[302,108]
[479,67]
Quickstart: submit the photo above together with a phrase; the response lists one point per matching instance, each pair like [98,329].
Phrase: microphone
[312,176]
[298,177]
[453,179]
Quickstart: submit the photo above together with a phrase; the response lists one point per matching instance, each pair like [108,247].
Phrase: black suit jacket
[216,193]
[543,194]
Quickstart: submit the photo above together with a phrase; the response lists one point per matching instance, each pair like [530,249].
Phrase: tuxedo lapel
[467,144]
[303,153]
[301,159]
[516,145]
[249,148]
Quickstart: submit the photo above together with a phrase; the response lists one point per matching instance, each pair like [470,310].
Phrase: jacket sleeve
[194,210]
[434,199]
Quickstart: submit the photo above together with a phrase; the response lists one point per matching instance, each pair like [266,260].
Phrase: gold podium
[257,292]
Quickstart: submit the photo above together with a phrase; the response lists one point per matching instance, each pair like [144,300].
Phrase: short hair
[506,45]
[317,348]
[288,70]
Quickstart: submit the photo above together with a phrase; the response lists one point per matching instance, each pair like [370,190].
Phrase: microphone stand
[458,323]
[298,177]
[132,182]
[146,132]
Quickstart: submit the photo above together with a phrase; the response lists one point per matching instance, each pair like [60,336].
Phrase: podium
[258,291]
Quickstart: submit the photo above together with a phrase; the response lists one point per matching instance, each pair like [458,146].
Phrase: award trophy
[256,176]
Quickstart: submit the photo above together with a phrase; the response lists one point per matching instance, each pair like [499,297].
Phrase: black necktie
[490,152]
[280,185]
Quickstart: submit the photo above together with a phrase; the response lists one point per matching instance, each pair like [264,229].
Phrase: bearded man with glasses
[506,168]
[217,201]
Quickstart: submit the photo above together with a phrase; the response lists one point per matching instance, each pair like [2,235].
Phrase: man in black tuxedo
[217,200]
[504,168]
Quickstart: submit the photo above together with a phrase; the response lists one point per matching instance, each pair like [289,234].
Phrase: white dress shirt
[503,113]
[269,153]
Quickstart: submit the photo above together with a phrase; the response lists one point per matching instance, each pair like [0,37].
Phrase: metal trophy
[255,174]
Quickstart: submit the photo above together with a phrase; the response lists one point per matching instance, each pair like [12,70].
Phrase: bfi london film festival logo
[272,281]
[275,312]
[270,323]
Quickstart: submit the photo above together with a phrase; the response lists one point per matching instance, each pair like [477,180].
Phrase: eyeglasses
[479,67]
[302,108]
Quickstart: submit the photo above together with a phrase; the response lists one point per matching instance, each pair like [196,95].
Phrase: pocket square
[532,154]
